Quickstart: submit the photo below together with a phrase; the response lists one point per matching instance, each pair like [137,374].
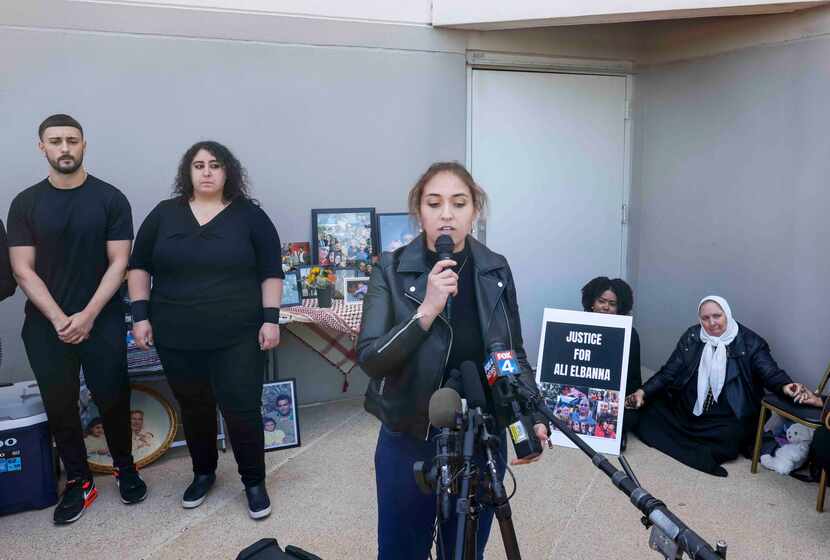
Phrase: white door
[549,150]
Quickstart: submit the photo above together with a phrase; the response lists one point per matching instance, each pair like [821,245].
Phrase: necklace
[460,268]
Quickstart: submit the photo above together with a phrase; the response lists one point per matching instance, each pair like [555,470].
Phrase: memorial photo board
[582,368]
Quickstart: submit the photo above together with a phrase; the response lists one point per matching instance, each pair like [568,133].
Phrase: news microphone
[454,381]
[444,246]
[445,413]
[473,390]
[444,406]
[500,367]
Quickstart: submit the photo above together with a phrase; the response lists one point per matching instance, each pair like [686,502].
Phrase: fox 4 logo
[500,364]
[507,364]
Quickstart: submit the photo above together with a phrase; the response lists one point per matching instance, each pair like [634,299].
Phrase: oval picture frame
[153,423]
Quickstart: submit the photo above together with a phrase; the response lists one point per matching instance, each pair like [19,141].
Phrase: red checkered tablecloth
[331,332]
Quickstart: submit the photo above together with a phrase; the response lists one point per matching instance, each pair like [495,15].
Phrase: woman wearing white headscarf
[701,407]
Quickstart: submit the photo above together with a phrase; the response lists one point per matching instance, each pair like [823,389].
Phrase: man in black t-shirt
[69,238]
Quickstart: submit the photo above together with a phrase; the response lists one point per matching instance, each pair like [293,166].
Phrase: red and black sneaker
[77,496]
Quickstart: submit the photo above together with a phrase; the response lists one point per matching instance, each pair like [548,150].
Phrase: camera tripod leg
[471,533]
[508,532]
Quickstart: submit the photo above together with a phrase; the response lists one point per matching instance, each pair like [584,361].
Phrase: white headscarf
[712,369]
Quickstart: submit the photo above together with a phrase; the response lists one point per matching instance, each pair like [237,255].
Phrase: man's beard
[66,169]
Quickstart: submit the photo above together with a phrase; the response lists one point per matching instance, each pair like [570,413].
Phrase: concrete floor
[323,496]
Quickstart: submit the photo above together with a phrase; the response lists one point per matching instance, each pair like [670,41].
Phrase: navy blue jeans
[406,516]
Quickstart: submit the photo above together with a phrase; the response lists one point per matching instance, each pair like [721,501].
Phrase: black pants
[231,377]
[56,365]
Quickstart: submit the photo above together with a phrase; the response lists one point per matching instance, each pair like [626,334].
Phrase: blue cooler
[27,475]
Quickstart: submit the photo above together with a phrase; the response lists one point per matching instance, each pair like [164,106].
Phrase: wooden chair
[809,416]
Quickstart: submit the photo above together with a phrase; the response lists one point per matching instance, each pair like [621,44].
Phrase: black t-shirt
[69,229]
[206,280]
[7,283]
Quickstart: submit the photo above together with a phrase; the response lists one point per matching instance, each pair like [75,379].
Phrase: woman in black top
[604,295]
[409,341]
[214,258]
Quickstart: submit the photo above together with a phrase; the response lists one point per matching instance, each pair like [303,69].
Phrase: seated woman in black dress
[615,297]
[702,405]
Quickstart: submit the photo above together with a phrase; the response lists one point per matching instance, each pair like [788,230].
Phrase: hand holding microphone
[442,283]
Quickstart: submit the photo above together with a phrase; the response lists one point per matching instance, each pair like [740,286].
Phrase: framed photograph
[152,421]
[342,275]
[355,289]
[342,237]
[279,415]
[303,271]
[395,229]
[299,253]
[291,290]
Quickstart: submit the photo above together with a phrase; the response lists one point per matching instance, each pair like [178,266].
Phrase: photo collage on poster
[589,412]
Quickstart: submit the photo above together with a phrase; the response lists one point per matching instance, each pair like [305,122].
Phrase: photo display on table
[395,229]
[355,289]
[343,237]
[291,289]
[279,415]
[581,372]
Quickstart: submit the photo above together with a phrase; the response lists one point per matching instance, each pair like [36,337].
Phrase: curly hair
[236,178]
[597,286]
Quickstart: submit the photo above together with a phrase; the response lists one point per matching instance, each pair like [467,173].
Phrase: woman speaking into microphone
[410,338]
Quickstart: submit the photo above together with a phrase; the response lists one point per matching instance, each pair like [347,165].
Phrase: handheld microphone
[501,365]
[444,246]
[445,413]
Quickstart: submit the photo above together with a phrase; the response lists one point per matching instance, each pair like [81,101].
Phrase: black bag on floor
[269,549]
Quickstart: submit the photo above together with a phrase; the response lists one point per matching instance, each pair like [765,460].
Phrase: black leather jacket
[750,369]
[7,283]
[406,364]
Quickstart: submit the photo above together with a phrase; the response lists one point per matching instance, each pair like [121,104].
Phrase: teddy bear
[792,454]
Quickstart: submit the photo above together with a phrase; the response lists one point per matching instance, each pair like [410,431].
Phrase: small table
[330,331]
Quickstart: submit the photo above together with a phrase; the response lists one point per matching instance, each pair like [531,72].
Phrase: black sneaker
[130,485]
[259,506]
[198,490]
[77,496]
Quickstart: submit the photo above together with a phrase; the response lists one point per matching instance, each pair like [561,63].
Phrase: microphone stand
[468,509]
[500,502]
[466,531]
[669,535]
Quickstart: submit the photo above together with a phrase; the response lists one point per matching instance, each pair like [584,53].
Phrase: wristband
[140,310]
[271,315]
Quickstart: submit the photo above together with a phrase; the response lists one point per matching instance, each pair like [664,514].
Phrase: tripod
[468,507]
